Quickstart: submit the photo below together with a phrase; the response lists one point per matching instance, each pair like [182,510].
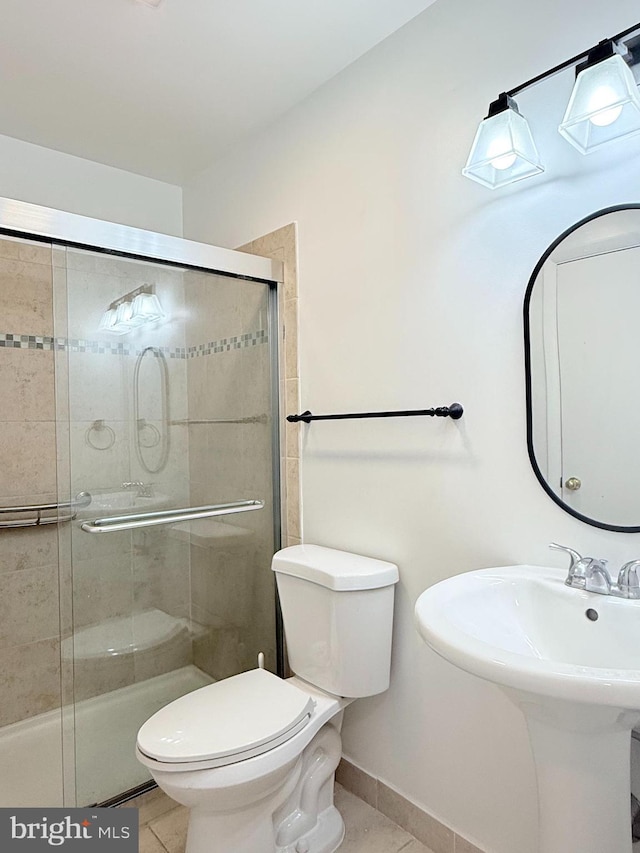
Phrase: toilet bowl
[276,789]
[254,756]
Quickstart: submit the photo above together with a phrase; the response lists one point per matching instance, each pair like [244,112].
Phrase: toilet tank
[337,610]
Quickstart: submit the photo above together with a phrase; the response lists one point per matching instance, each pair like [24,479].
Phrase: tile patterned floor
[163,826]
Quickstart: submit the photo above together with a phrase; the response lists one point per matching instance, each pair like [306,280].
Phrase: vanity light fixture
[604,106]
[136,309]
[503,150]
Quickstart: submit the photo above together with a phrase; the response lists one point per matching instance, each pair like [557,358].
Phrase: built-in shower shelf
[123,635]
[207,532]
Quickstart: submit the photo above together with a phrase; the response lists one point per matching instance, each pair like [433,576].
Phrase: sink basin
[521,627]
[571,661]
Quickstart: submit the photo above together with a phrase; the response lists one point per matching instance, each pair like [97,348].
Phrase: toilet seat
[226,722]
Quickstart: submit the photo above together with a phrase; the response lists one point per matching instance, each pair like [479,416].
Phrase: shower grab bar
[168,516]
[36,522]
[81,500]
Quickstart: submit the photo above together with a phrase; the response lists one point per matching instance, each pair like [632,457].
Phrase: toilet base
[287,810]
[325,837]
[256,836]
[307,821]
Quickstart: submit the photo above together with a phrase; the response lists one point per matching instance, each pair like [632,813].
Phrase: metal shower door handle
[136,521]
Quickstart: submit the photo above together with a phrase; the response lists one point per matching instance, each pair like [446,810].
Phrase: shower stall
[139,490]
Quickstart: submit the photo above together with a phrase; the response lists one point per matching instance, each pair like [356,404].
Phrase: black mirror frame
[527,366]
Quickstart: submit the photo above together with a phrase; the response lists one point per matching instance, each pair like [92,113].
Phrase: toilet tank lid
[336,570]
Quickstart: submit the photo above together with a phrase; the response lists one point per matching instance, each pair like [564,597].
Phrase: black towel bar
[454,411]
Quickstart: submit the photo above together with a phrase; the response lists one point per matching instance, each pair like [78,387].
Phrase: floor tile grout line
[156,836]
[153,819]
[157,817]
[175,808]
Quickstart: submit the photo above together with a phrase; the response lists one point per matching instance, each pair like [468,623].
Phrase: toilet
[254,756]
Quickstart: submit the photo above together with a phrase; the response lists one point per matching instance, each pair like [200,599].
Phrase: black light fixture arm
[573,61]
[454,411]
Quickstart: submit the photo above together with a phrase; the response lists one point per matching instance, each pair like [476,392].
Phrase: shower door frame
[31,221]
[27,221]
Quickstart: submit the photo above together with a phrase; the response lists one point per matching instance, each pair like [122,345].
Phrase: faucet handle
[629,579]
[577,575]
[575,557]
[597,577]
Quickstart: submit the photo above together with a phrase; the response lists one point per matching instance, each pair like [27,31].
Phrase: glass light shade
[121,324]
[146,309]
[604,106]
[107,321]
[503,151]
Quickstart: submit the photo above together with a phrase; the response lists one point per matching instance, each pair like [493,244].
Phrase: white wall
[411,287]
[53,179]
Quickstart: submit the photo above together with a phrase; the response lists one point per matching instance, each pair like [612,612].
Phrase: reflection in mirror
[582,343]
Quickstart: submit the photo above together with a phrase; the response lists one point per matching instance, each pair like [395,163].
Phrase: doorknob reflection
[573,484]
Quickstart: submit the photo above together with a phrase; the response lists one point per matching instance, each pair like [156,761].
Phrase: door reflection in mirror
[582,346]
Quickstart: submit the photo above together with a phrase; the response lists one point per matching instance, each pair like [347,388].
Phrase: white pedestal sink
[570,660]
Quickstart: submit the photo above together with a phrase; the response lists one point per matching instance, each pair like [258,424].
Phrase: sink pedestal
[582,758]
[569,659]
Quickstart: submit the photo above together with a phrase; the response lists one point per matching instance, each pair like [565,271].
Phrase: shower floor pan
[103,730]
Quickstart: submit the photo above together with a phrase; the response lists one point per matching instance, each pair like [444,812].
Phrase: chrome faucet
[629,579]
[592,575]
[144,489]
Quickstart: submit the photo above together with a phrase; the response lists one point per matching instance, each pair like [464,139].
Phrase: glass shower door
[30,711]
[165,397]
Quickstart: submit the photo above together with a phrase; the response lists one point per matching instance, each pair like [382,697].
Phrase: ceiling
[164,91]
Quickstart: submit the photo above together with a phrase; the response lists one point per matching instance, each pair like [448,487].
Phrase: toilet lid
[235,718]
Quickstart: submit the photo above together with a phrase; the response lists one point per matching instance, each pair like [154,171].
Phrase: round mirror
[582,353]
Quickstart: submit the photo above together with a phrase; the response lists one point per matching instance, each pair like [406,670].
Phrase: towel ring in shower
[98,427]
[153,436]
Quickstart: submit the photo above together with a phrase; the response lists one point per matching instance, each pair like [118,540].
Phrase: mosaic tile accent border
[29,342]
[45,342]
[237,342]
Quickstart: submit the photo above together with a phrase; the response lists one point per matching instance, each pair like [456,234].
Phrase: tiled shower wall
[29,612]
[230,432]
[282,246]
